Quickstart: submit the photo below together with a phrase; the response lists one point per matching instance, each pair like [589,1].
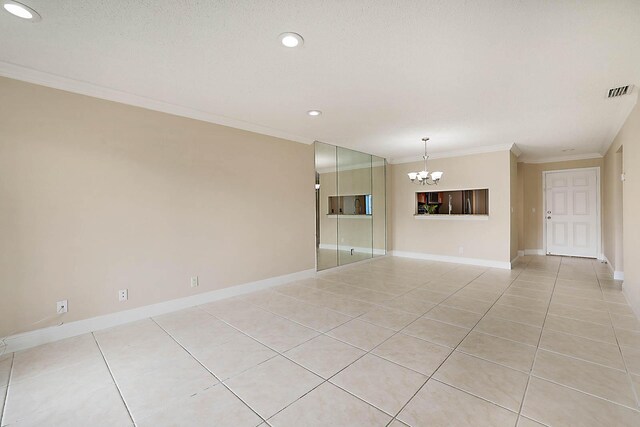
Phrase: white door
[571,215]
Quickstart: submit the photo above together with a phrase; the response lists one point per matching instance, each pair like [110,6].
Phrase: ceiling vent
[619,91]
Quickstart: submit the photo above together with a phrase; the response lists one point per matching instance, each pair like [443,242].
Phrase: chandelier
[422,177]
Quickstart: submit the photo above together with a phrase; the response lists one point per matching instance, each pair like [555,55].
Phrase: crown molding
[30,75]
[457,153]
[585,156]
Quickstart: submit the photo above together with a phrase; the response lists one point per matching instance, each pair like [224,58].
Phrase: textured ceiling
[469,74]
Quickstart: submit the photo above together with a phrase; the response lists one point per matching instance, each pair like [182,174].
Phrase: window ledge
[453,217]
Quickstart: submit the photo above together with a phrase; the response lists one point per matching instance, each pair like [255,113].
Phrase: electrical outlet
[194,281]
[123,295]
[62,306]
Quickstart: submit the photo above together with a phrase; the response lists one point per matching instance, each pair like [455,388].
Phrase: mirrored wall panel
[350,206]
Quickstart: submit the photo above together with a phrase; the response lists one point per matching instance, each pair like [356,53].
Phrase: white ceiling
[471,75]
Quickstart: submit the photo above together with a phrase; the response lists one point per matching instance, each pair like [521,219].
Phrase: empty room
[258,213]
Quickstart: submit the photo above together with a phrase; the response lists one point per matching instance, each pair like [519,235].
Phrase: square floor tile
[499,350]
[273,385]
[413,353]
[438,404]
[379,382]
[235,356]
[468,304]
[514,331]
[436,332]
[328,405]
[553,404]
[388,318]
[214,406]
[324,355]
[607,383]
[582,348]
[496,383]
[580,328]
[101,407]
[453,316]
[507,312]
[361,334]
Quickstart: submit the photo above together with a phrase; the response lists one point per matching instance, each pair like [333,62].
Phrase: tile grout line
[395,417]
[113,379]
[535,356]
[211,372]
[624,361]
[6,396]
[325,333]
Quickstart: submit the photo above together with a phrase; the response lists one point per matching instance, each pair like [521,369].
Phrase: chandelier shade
[423,177]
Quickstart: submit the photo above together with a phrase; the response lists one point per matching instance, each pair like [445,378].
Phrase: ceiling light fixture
[291,39]
[422,177]
[21,11]
[314,113]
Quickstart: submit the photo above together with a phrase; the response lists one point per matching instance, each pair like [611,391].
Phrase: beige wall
[612,207]
[97,196]
[515,208]
[487,240]
[629,139]
[532,205]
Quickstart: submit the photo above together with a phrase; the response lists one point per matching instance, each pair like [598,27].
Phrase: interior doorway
[572,212]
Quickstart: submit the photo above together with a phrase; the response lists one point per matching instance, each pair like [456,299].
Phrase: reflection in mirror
[326,185]
[350,206]
[355,241]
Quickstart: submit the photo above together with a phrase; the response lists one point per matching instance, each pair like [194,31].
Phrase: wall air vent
[619,91]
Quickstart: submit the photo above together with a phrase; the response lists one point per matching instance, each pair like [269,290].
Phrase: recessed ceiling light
[21,11]
[314,113]
[291,39]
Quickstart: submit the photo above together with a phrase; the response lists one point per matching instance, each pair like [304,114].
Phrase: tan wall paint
[612,208]
[520,205]
[97,196]
[487,240]
[533,198]
[629,139]
[513,197]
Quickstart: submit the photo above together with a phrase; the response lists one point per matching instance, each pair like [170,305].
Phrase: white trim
[454,259]
[617,275]
[599,254]
[520,253]
[515,259]
[453,217]
[79,327]
[330,270]
[584,156]
[347,216]
[534,251]
[454,153]
[30,75]
[361,250]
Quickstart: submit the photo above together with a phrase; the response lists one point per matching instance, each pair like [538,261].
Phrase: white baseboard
[454,259]
[79,327]
[360,250]
[617,275]
[520,253]
[534,251]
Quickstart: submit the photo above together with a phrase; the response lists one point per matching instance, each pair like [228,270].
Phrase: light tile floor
[388,342]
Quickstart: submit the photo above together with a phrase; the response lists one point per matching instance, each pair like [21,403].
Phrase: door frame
[598,207]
